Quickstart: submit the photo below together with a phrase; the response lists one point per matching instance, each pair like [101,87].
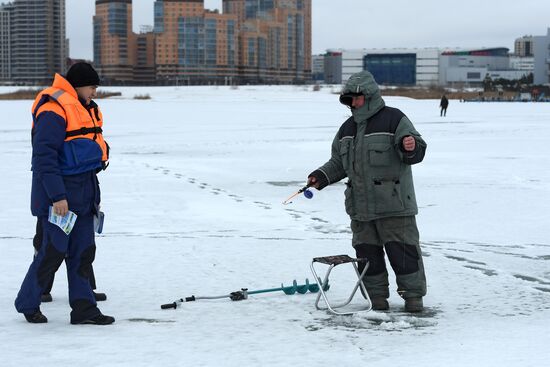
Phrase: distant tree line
[523,85]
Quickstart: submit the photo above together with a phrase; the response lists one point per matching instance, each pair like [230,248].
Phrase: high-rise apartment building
[274,39]
[144,70]
[114,41]
[32,40]
[523,46]
[523,56]
[252,41]
[194,45]
[6,12]
[236,7]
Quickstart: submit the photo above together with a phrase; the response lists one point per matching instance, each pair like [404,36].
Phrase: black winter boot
[380,304]
[414,304]
[36,318]
[98,320]
[46,297]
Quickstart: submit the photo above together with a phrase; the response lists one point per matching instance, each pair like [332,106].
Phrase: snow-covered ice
[193,207]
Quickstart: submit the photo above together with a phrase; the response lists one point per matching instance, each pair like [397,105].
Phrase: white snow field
[193,203]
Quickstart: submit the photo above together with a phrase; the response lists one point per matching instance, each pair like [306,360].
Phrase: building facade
[333,67]
[392,69]
[252,41]
[144,69]
[523,46]
[388,66]
[318,68]
[340,64]
[427,66]
[541,52]
[274,40]
[434,67]
[114,41]
[403,67]
[352,62]
[194,45]
[471,67]
[33,45]
[235,7]
[524,63]
[6,12]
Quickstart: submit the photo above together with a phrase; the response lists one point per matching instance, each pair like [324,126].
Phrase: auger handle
[174,305]
[168,306]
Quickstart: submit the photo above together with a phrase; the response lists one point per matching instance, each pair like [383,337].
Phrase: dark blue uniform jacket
[49,184]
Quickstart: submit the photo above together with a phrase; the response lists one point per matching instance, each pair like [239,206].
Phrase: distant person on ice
[375,149]
[443,104]
[68,151]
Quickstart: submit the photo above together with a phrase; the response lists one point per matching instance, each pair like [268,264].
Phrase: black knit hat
[82,74]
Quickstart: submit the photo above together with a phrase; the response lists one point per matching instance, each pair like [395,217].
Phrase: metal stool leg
[321,287]
[322,293]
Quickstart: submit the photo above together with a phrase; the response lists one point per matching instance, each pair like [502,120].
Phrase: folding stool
[333,261]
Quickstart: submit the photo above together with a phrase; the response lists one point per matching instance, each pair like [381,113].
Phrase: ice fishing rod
[244,292]
[307,193]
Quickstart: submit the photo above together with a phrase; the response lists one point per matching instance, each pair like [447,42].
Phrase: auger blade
[302,289]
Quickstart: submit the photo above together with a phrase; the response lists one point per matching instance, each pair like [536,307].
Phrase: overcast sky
[373,24]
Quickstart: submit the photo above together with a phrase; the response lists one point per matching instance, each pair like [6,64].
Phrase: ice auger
[244,293]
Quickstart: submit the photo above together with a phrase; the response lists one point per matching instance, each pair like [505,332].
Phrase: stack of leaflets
[66,223]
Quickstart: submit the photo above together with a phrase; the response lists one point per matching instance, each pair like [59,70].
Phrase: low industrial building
[427,66]
[472,67]
[388,66]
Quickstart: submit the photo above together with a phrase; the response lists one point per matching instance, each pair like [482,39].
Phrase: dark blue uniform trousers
[78,251]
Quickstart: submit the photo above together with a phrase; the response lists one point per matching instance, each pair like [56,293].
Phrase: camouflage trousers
[398,238]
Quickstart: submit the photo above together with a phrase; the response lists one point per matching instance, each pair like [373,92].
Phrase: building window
[118,19]
[392,69]
[290,41]
[231,42]
[300,54]
[471,75]
[262,53]
[97,41]
[191,41]
[210,41]
[251,51]
[159,17]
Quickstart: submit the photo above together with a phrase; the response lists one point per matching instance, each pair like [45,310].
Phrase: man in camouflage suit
[375,149]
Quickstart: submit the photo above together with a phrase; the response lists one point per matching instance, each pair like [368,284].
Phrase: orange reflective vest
[78,155]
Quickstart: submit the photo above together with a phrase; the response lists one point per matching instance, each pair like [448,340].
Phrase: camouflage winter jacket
[368,150]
